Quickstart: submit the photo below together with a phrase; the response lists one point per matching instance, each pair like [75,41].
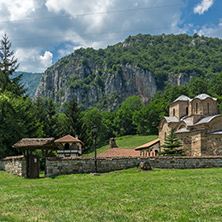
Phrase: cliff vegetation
[141,65]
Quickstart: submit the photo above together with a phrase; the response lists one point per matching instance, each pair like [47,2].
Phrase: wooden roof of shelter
[148,145]
[36,143]
[68,139]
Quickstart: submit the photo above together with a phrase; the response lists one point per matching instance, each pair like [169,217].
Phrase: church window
[196,108]
[173,112]
[186,110]
[208,108]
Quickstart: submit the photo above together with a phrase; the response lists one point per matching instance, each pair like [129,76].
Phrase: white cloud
[203,6]
[31,60]
[16,9]
[62,27]
[46,60]
[210,31]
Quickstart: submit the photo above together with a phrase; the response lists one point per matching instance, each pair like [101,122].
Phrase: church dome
[204,96]
[182,98]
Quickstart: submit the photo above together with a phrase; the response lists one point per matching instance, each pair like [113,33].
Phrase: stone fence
[66,165]
[57,166]
[14,164]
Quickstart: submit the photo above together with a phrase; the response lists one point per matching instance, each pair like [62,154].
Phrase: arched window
[173,112]
[196,107]
[187,111]
[67,146]
[208,108]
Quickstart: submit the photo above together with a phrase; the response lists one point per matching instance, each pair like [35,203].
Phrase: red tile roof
[68,139]
[114,152]
[147,145]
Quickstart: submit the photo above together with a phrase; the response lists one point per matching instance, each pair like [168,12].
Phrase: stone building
[197,124]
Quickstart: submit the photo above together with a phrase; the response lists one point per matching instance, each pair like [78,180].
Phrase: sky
[44,31]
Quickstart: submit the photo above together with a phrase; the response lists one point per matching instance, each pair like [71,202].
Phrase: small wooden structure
[69,146]
[27,146]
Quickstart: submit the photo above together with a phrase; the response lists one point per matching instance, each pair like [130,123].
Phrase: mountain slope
[30,80]
[141,65]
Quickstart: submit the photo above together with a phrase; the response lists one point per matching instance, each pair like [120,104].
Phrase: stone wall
[186,162]
[58,166]
[14,164]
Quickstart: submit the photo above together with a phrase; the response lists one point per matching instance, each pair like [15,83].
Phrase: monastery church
[196,123]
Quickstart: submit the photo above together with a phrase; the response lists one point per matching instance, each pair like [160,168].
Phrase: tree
[8,65]
[17,121]
[135,103]
[74,124]
[51,119]
[39,110]
[171,144]
[94,117]
[148,118]
[123,120]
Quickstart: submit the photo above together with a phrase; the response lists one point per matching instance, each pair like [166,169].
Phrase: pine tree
[75,125]
[171,144]
[8,65]
[50,119]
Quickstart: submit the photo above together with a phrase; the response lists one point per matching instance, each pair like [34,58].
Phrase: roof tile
[120,152]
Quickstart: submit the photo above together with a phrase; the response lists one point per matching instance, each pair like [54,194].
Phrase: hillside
[141,65]
[128,142]
[30,80]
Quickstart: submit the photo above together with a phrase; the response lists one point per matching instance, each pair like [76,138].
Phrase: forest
[21,117]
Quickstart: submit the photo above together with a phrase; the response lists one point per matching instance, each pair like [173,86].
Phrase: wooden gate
[33,166]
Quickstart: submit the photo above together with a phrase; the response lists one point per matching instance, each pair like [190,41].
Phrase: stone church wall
[14,164]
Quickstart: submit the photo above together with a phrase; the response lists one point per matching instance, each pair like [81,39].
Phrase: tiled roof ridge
[68,138]
[147,145]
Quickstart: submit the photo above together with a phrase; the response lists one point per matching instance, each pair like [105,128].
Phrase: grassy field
[127,195]
[129,142]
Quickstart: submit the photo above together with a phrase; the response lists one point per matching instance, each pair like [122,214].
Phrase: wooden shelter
[69,146]
[27,146]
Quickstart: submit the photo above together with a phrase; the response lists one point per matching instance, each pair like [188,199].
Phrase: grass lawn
[129,142]
[126,195]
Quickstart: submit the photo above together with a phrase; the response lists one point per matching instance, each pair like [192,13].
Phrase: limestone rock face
[91,85]
[180,79]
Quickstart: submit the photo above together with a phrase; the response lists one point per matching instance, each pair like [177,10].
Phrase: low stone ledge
[91,158]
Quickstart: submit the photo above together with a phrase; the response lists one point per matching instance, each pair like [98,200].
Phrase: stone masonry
[15,165]
[196,123]
[58,166]
[67,165]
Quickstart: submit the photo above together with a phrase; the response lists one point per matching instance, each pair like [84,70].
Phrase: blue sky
[43,31]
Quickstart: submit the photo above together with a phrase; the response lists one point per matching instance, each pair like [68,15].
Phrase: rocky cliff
[112,89]
[141,66]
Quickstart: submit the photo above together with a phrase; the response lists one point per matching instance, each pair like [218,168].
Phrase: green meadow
[128,142]
[126,195]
